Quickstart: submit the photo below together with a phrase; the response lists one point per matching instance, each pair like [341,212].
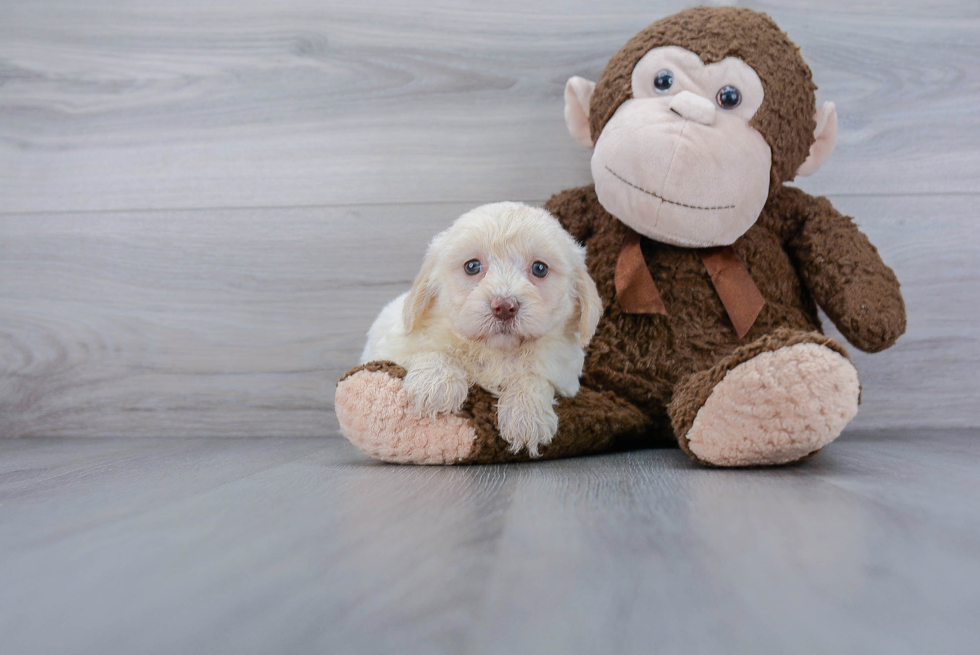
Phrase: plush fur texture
[786,119]
[446,334]
[590,422]
[694,390]
[650,376]
[650,163]
[777,407]
[692,394]
[374,412]
[644,357]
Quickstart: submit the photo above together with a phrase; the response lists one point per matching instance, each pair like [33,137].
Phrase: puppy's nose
[504,308]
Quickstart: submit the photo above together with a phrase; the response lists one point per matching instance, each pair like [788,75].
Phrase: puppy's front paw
[436,390]
[527,420]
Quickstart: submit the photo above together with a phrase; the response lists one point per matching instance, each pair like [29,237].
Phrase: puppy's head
[505,273]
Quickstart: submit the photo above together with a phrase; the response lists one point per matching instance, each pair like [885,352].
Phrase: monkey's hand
[847,277]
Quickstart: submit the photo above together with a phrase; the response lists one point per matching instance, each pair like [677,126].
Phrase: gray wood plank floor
[301,545]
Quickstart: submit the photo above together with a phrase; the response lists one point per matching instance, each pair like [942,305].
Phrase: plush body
[732,367]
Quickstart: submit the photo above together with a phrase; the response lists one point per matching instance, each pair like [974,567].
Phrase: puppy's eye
[539,269]
[473,267]
[663,81]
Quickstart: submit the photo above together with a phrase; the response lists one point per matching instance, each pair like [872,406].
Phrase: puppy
[503,301]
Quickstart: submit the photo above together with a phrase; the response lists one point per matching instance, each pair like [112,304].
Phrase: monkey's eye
[663,81]
[729,97]
[473,267]
[539,269]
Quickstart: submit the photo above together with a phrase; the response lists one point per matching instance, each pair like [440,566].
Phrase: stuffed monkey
[709,266]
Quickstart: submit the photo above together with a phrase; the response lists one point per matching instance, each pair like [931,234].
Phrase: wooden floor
[204,203]
[293,545]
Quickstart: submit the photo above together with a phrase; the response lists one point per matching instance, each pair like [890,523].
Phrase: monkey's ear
[826,139]
[578,93]
[421,295]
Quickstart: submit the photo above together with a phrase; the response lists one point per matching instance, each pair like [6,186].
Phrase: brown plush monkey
[710,268]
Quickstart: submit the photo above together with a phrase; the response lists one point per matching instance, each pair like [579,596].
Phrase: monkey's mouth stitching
[659,197]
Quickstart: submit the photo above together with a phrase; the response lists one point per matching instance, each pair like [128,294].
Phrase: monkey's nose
[693,107]
[504,309]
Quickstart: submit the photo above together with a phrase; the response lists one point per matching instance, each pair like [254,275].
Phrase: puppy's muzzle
[504,309]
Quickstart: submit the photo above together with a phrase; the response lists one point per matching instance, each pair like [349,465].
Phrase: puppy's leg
[435,384]
[526,414]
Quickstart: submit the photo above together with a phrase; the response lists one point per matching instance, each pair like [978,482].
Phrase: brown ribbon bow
[638,293]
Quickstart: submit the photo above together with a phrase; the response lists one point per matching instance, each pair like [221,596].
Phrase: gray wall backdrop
[203,205]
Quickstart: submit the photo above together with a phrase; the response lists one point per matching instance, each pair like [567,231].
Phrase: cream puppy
[503,301]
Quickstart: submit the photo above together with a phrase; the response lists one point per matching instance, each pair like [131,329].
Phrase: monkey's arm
[575,210]
[374,413]
[845,274]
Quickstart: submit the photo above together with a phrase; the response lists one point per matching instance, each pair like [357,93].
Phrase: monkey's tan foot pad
[374,413]
[776,408]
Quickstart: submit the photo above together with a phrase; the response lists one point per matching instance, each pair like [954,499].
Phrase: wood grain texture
[203,204]
[239,322]
[194,323]
[141,105]
[302,545]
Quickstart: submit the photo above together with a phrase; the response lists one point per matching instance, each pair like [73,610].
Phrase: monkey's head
[697,121]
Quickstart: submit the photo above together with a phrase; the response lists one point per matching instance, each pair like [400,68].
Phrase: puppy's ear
[589,305]
[421,295]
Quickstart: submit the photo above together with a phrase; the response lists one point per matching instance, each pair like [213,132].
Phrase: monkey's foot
[776,407]
[376,416]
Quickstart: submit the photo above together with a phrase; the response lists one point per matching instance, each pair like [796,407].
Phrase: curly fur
[445,333]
